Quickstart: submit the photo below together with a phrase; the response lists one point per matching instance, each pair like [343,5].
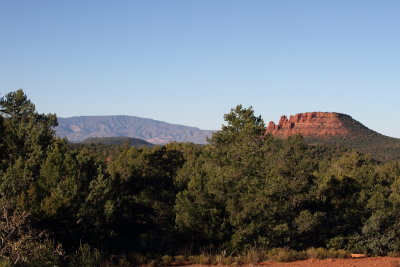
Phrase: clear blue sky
[190,61]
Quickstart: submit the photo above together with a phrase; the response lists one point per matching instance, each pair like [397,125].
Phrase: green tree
[131,205]
[26,132]
[226,171]
[26,136]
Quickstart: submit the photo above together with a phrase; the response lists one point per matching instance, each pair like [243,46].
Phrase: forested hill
[337,129]
[77,129]
[117,140]
[244,198]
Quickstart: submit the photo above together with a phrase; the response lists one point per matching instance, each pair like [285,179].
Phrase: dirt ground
[373,261]
[368,262]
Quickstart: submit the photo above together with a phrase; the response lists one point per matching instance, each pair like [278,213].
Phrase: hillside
[117,140]
[77,129]
[337,129]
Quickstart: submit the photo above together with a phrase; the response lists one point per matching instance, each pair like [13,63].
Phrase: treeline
[382,148]
[244,190]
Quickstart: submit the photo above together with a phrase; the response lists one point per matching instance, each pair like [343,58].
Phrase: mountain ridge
[78,128]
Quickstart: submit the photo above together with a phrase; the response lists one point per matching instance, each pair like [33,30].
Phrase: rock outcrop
[315,125]
[337,129]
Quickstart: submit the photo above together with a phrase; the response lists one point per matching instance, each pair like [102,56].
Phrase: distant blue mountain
[77,129]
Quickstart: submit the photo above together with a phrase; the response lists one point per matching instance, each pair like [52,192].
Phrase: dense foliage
[243,190]
[362,139]
[117,140]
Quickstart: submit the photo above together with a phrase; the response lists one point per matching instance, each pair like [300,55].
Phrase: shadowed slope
[117,140]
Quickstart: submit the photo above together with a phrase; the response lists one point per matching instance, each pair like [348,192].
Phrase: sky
[190,61]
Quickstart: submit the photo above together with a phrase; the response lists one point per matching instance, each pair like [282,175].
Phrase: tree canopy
[243,189]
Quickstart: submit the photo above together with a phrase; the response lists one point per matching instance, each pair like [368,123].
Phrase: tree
[26,132]
[26,137]
[226,172]
[131,204]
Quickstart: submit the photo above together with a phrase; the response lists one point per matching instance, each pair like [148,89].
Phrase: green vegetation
[117,140]
[362,139]
[243,198]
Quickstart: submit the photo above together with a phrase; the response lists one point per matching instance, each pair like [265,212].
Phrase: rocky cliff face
[316,125]
[337,129]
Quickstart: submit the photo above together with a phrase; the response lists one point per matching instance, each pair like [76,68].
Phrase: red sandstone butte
[311,124]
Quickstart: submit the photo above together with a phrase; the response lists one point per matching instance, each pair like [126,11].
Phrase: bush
[317,253]
[167,260]
[200,259]
[253,256]
[322,253]
[123,262]
[21,245]
[86,257]
[179,259]
[341,253]
[116,261]
[285,255]
[237,261]
[224,260]
[5,262]
[152,263]
[393,254]
[137,259]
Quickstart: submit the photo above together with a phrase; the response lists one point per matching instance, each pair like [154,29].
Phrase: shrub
[203,259]
[167,260]
[194,259]
[5,262]
[152,263]
[123,262]
[341,253]
[116,261]
[285,255]
[337,242]
[137,259]
[21,245]
[322,253]
[179,259]
[393,254]
[86,257]
[316,253]
[224,260]
[237,261]
[253,256]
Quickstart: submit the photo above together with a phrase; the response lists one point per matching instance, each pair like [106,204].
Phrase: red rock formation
[311,124]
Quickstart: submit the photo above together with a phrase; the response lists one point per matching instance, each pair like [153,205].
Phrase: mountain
[117,140]
[337,129]
[77,129]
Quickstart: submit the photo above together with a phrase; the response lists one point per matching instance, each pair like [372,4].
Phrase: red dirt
[360,262]
[367,262]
